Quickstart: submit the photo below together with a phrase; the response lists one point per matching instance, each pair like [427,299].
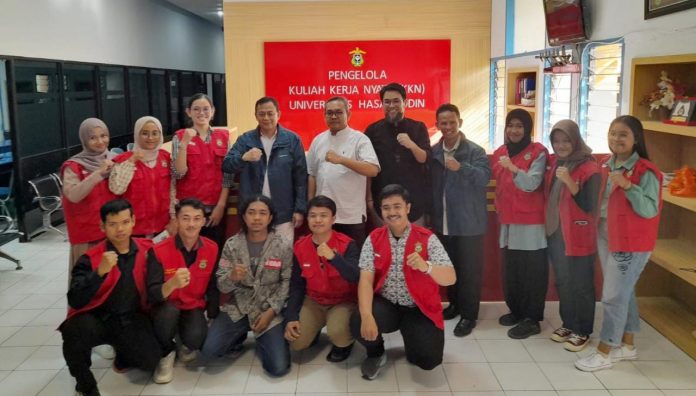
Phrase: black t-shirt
[397,163]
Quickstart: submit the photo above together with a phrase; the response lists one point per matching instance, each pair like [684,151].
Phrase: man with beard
[403,147]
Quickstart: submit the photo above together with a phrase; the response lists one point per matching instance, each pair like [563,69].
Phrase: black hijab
[526,119]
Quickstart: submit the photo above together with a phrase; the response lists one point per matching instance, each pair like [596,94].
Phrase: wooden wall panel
[465,22]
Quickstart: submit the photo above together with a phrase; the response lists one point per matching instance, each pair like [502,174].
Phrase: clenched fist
[252,155]
[405,140]
[325,251]
[108,261]
[181,278]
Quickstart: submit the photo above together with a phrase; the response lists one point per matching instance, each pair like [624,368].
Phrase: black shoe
[450,312]
[93,392]
[508,320]
[464,327]
[339,354]
[524,329]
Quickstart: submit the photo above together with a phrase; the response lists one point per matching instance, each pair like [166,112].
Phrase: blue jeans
[621,272]
[271,346]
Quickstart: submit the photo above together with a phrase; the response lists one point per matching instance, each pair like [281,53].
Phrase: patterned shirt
[227,178]
[394,288]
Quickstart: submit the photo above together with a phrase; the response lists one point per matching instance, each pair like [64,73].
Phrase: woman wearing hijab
[519,166]
[572,188]
[143,177]
[85,189]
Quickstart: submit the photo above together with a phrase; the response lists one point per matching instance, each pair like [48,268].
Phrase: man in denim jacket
[271,161]
[460,172]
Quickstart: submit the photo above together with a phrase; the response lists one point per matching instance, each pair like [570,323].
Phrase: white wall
[530,34]
[148,33]
[497,28]
[666,35]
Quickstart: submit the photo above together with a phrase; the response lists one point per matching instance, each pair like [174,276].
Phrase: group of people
[193,293]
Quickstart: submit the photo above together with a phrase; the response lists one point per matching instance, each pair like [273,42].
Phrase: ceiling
[207,9]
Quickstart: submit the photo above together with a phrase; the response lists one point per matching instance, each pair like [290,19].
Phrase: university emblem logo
[357,58]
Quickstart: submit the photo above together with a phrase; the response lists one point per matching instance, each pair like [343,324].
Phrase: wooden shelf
[531,109]
[673,319]
[657,126]
[686,203]
[674,254]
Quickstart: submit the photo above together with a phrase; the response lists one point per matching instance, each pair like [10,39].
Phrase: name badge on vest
[527,156]
[203,264]
[306,265]
[170,271]
[273,264]
[419,247]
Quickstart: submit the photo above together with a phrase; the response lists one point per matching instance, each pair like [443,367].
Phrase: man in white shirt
[339,162]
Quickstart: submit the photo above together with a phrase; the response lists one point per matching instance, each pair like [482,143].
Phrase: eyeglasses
[389,102]
[332,114]
[269,114]
[201,110]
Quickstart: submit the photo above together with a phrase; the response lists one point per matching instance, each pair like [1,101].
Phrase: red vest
[203,179]
[515,206]
[579,228]
[629,232]
[423,289]
[324,283]
[139,270]
[193,295]
[82,218]
[148,192]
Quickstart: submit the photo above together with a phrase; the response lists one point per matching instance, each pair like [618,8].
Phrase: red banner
[302,75]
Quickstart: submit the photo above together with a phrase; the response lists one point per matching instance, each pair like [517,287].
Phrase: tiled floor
[487,363]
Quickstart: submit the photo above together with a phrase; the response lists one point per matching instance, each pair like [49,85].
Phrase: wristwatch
[430,267]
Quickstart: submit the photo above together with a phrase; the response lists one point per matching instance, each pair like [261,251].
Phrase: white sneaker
[164,373]
[105,351]
[593,362]
[623,353]
[185,355]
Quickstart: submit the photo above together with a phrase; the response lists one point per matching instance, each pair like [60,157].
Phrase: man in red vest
[107,298]
[323,283]
[179,273]
[402,267]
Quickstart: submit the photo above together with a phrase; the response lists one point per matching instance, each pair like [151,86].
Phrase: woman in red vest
[85,189]
[197,155]
[629,217]
[143,177]
[572,191]
[519,166]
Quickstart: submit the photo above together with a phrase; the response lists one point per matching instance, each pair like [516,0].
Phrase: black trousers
[423,341]
[132,338]
[466,253]
[355,231]
[168,321]
[525,281]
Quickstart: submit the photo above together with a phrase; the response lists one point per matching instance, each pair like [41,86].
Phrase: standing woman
[572,185]
[143,177]
[197,155]
[85,189]
[519,166]
[629,218]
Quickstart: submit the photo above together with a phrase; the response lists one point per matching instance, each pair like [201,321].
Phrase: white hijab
[150,155]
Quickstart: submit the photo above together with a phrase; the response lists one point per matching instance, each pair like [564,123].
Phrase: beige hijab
[150,155]
[89,159]
[581,153]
